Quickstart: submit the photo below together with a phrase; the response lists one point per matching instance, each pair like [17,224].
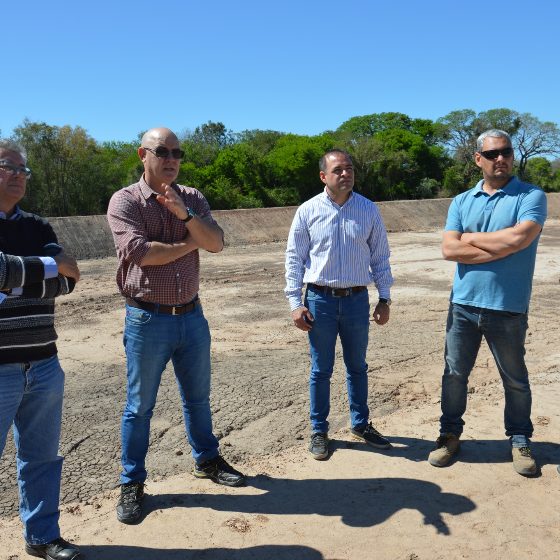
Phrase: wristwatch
[386,301]
[190,215]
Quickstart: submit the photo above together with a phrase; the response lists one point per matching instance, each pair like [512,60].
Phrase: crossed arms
[482,247]
[26,276]
[131,236]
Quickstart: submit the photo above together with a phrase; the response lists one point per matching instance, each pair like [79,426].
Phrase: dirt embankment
[89,237]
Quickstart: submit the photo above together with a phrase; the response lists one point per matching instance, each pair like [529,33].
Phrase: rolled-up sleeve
[127,226]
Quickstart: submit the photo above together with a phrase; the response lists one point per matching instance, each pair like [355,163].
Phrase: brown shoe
[447,445]
[523,461]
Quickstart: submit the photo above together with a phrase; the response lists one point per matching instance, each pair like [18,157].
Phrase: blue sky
[119,67]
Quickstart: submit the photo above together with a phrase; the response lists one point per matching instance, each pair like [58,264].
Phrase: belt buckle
[173,310]
[341,292]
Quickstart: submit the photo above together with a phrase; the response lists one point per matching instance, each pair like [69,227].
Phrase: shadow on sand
[357,502]
[267,552]
[481,451]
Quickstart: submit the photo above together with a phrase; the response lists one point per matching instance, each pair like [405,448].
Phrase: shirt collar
[509,186]
[147,191]
[15,216]
[329,199]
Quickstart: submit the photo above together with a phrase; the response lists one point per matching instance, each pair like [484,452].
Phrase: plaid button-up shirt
[136,219]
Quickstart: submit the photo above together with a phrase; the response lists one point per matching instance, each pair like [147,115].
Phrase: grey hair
[11,146]
[323,160]
[493,133]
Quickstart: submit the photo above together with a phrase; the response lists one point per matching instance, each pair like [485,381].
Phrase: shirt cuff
[295,303]
[51,268]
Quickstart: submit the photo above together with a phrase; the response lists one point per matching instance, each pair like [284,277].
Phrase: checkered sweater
[27,321]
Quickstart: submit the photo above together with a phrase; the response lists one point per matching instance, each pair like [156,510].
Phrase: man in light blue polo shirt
[492,232]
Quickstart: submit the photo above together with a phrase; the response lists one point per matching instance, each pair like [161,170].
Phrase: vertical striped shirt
[337,246]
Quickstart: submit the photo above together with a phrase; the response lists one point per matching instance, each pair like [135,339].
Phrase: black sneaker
[129,506]
[219,471]
[319,445]
[371,436]
[59,549]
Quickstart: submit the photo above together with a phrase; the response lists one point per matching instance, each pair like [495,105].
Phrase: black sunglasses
[163,152]
[494,154]
[15,169]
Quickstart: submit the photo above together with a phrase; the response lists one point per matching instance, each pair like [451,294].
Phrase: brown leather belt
[337,292]
[164,309]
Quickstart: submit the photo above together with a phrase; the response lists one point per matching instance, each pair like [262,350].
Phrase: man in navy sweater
[33,271]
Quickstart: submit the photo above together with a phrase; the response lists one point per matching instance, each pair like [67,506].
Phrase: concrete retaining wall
[89,237]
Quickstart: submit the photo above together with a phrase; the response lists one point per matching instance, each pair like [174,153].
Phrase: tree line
[395,157]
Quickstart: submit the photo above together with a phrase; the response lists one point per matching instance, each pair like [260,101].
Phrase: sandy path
[359,504]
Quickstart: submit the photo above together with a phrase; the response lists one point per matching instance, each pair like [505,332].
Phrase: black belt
[337,292]
[165,309]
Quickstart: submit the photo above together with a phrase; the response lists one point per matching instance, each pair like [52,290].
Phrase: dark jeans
[505,334]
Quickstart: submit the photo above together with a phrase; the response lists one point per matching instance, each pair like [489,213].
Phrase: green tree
[293,163]
[66,176]
[369,125]
[540,171]
[204,144]
[535,138]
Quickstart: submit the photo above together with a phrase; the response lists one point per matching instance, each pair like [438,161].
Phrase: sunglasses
[15,169]
[163,152]
[494,154]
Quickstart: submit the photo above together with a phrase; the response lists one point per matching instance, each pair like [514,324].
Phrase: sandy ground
[360,503]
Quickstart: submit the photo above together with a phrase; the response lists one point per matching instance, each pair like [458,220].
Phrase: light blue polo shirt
[504,284]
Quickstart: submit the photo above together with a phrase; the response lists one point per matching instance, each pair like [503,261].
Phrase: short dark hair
[323,160]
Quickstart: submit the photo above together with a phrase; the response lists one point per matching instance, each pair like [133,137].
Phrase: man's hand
[172,201]
[381,313]
[67,266]
[300,315]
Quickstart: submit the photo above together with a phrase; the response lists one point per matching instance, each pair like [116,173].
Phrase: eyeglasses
[163,152]
[494,154]
[11,169]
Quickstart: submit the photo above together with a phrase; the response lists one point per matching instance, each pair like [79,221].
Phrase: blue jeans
[505,334]
[150,341]
[347,317]
[31,400]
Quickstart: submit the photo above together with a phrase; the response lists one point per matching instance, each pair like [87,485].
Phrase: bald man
[158,227]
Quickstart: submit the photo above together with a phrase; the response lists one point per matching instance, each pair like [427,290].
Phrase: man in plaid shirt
[158,227]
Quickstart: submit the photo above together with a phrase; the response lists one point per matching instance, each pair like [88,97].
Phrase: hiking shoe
[523,461]
[219,471]
[59,549]
[371,436]
[319,445]
[129,506]
[447,445]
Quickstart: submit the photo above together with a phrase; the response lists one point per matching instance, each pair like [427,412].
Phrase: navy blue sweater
[27,321]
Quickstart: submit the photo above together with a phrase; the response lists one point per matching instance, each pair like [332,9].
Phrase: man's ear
[477,158]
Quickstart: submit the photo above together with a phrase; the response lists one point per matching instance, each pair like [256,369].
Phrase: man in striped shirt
[33,271]
[338,246]
[158,227]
